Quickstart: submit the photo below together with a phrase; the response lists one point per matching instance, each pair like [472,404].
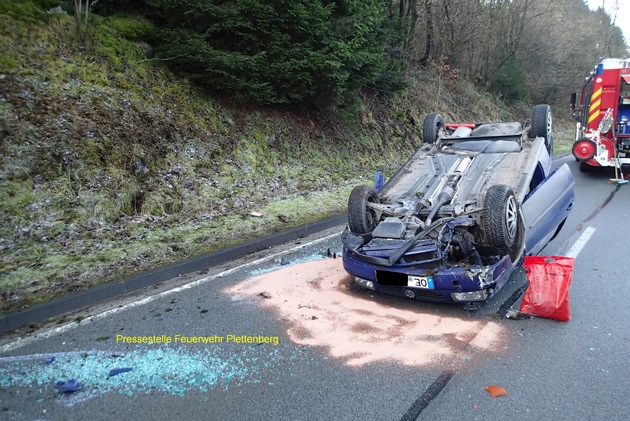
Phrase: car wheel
[361,218]
[542,125]
[433,124]
[500,216]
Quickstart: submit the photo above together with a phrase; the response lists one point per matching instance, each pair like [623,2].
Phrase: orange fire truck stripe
[596,101]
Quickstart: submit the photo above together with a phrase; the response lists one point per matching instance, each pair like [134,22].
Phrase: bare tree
[404,13]
[548,45]
[428,20]
[82,10]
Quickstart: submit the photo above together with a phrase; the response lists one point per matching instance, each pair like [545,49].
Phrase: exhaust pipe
[448,192]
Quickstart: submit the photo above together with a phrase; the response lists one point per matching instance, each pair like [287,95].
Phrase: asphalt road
[320,348]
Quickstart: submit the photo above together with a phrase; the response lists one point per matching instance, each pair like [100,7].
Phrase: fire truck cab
[603,134]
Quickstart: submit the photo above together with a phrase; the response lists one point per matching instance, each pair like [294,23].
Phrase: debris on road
[168,370]
[513,314]
[116,371]
[496,391]
[70,386]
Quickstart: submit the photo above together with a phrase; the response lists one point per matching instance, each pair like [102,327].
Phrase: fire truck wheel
[433,124]
[542,125]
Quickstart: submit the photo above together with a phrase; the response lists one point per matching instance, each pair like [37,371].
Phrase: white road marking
[581,242]
[20,342]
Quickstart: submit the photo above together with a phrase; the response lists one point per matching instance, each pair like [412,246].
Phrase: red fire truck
[603,135]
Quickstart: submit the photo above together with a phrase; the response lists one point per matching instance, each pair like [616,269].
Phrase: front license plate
[421,282]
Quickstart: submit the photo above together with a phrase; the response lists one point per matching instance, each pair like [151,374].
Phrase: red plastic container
[548,292]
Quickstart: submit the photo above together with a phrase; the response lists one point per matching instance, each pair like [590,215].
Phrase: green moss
[113,39]
[7,63]
[132,27]
[399,115]
[298,210]
[16,196]
[23,10]
[96,208]
[94,73]
[256,151]
[161,202]
[110,46]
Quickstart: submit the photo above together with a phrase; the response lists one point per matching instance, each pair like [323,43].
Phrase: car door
[546,207]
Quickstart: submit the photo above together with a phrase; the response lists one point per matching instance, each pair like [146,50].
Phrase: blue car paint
[552,201]
[447,280]
[542,211]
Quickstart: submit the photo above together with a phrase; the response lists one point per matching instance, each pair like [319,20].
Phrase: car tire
[433,124]
[500,216]
[542,123]
[361,219]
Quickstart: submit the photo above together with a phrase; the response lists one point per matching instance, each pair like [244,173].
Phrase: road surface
[285,334]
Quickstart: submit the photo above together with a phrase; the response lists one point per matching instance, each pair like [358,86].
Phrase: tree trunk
[428,16]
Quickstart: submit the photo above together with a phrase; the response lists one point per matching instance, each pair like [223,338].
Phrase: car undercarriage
[460,211]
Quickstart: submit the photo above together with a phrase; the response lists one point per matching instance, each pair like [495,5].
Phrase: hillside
[110,164]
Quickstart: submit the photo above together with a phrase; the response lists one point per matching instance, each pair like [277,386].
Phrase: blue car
[457,218]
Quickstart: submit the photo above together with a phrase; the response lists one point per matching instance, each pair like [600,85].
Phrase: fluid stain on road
[314,300]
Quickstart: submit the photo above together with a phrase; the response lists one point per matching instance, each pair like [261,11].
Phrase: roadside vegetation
[111,163]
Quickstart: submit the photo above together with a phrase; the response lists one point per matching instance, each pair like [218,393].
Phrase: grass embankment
[111,165]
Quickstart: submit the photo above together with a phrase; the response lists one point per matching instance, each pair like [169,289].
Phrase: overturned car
[455,220]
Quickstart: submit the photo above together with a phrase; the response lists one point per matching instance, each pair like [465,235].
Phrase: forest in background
[320,52]
[132,136]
